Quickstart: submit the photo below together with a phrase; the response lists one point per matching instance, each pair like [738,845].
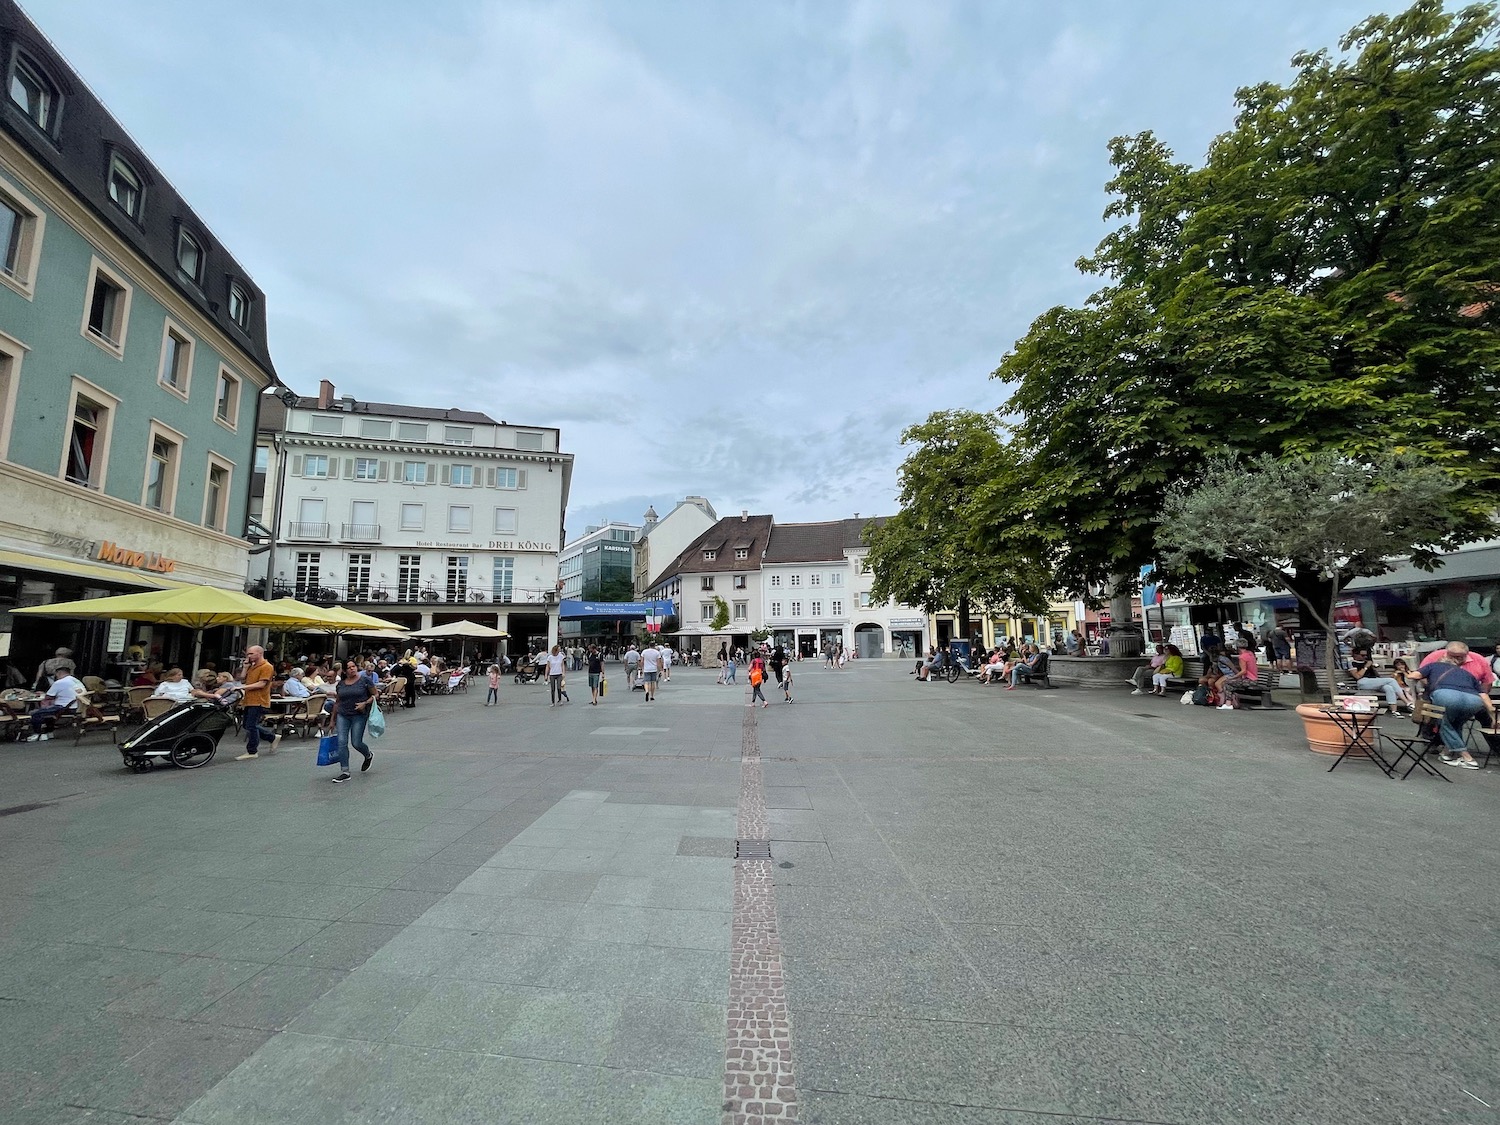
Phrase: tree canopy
[1327,281]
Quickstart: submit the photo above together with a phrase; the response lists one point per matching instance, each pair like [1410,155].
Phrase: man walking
[632,659]
[650,669]
[256,701]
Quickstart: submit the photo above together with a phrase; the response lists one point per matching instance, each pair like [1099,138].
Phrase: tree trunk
[964,629]
[1313,588]
[1124,638]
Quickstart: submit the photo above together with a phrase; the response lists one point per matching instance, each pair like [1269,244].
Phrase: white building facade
[418,515]
[662,539]
[721,563]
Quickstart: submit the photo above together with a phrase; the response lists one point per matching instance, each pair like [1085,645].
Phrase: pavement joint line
[759,1080]
[1005,1108]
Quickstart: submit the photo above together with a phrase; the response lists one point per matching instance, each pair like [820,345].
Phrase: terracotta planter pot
[1324,735]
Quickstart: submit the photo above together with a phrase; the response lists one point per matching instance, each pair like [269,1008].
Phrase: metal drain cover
[752,849]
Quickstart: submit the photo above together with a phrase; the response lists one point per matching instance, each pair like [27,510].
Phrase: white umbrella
[463,630]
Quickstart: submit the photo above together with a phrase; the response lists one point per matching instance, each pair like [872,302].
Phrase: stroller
[187,736]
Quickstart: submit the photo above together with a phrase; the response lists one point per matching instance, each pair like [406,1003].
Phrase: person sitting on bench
[1023,668]
[1246,675]
[1367,677]
[992,668]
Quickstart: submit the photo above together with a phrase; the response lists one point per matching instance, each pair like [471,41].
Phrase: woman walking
[556,664]
[596,674]
[354,694]
[757,678]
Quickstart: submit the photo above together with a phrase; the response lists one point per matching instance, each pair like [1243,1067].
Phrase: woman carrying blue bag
[355,696]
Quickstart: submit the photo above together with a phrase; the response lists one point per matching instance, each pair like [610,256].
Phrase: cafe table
[1361,736]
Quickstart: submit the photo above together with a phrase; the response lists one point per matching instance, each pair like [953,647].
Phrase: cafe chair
[152,707]
[1415,746]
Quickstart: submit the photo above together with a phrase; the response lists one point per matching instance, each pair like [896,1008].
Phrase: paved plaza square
[1026,908]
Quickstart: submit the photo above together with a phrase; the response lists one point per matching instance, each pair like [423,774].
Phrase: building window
[11,353]
[794,580]
[227,398]
[374,428]
[836,578]
[775,609]
[817,609]
[262,459]
[739,581]
[775,580]
[458,435]
[316,465]
[239,305]
[865,601]
[413,517]
[330,424]
[458,578]
[796,609]
[126,187]
[708,582]
[408,576]
[741,611]
[309,571]
[815,579]
[503,589]
[461,476]
[160,493]
[176,360]
[710,556]
[505,521]
[366,468]
[312,519]
[510,478]
[86,459]
[216,495]
[414,472]
[359,575]
[742,552]
[35,94]
[837,609]
[705,611]
[411,431]
[20,235]
[363,525]
[189,257]
[107,314]
[460,518]
[526,439]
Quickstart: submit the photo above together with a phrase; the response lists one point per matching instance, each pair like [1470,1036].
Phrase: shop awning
[571,609]
[78,568]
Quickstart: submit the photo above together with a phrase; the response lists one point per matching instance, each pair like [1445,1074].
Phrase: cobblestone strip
[758,1083]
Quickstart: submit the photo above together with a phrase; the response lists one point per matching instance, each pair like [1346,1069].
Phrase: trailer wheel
[139,765]
[193,750]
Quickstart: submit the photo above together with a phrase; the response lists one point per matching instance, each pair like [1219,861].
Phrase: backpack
[1200,696]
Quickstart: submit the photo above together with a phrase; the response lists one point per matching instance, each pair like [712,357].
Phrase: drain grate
[752,849]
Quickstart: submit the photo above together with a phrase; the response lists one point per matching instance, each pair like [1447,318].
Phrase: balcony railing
[376,593]
[360,533]
[308,531]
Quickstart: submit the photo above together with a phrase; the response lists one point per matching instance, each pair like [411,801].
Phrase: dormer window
[125,187]
[709,556]
[35,94]
[742,552]
[189,257]
[239,305]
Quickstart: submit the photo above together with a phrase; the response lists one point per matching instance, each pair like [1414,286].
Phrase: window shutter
[489,477]
[385,470]
[520,478]
[446,473]
[297,465]
[432,474]
[348,468]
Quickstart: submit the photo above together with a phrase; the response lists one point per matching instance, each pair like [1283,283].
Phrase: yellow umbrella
[334,618]
[196,607]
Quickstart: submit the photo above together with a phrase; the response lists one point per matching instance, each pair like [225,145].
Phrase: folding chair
[1415,746]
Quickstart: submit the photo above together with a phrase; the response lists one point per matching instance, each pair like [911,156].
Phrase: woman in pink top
[1249,673]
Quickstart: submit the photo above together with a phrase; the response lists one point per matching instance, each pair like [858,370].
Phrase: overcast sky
[730,249]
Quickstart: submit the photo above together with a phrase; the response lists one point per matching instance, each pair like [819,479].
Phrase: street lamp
[278,443]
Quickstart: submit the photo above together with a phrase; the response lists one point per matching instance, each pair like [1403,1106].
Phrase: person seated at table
[62,697]
[177,688]
[1451,686]
[1367,677]
[294,688]
[147,676]
[1476,665]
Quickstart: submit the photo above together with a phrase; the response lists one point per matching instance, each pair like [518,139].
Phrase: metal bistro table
[1360,735]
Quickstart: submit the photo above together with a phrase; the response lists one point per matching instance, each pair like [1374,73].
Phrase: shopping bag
[603,687]
[375,724]
[328,750]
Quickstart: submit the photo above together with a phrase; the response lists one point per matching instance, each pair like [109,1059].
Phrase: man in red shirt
[256,702]
[1474,664]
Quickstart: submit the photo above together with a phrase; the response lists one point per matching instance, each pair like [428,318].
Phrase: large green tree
[1327,280]
[932,553]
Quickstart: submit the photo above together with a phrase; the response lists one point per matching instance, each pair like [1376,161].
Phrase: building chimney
[325,395]
[744,515]
[348,401]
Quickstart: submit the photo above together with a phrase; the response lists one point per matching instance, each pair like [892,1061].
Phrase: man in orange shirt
[256,702]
